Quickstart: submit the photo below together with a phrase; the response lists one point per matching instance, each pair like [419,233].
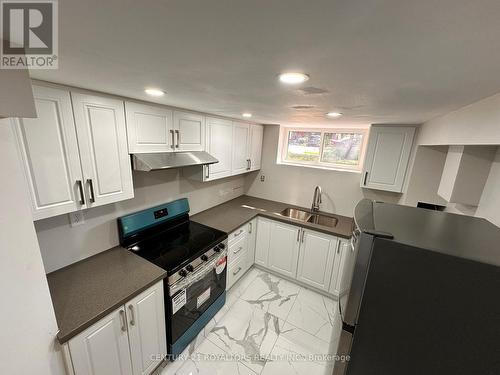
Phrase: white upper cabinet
[149,128]
[241,149]
[317,252]
[256,137]
[284,248]
[387,157]
[189,131]
[102,139]
[103,348]
[49,151]
[219,145]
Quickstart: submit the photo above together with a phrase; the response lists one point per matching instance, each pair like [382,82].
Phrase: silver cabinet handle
[250,163]
[237,251]
[122,319]
[237,271]
[80,189]
[237,234]
[298,234]
[178,133]
[250,227]
[91,186]
[302,240]
[207,169]
[173,138]
[132,315]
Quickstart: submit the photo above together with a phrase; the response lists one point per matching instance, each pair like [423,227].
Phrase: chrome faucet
[316,199]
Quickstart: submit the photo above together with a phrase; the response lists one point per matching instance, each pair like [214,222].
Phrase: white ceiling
[385,61]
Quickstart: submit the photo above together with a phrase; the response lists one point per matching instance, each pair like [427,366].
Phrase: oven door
[188,304]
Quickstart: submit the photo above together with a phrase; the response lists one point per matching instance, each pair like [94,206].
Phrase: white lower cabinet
[342,268]
[284,248]
[317,252]
[241,250]
[130,340]
[312,258]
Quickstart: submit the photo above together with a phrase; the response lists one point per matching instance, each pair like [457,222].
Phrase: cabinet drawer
[235,271]
[238,233]
[237,249]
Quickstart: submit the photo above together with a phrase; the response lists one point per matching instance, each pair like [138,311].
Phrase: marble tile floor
[268,326]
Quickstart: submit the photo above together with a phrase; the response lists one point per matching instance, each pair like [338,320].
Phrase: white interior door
[219,142]
[387,157]
[149,128]
[317,251]
[146,321]
[189,131]
[284,248]
[256,138]
[102,136]
[241,134]
[49,150]
[103,348]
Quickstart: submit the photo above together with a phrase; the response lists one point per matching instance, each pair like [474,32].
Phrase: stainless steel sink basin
[294,213]
[327,221]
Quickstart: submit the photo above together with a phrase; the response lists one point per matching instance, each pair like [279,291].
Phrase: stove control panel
[198,264]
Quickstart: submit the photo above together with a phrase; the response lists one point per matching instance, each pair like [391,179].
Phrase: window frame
[283,148]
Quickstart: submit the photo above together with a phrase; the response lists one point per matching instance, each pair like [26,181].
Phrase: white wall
[62,245]
[27,317]
[489,205]
[295,185]
[475,124]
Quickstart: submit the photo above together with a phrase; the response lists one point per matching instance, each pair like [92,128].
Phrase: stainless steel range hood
[169,160]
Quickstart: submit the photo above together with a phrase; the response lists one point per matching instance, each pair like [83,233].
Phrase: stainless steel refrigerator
[425,294]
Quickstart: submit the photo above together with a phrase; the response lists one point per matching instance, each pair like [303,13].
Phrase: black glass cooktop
[173,247]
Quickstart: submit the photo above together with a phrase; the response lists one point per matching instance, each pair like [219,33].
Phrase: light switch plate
[262,178]
[76,218]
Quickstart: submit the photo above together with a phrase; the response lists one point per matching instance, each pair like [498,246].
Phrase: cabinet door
[256,138]
[103,348]
[252,238]
[284,248]
[317,251]
[190,131]
[241,157]
[341,268]
[49,151]
[102,137]
[262,241]
[219,145]
[146,325]
[149,128]
[387,157]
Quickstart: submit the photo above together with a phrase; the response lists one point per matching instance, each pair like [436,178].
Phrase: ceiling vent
[312,91]
[303,107]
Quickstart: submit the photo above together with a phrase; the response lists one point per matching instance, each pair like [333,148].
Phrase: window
[323,148]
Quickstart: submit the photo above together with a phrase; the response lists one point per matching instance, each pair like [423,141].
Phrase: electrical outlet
[262,178]
[76,218]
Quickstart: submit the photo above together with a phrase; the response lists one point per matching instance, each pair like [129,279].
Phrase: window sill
[319,167]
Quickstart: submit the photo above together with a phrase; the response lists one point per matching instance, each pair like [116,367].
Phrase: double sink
[310,217]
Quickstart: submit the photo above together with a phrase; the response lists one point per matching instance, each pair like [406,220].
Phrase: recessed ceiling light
[154,92]
[293,78]
[334,114]
[246,114]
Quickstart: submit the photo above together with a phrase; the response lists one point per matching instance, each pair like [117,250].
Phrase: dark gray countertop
[234,213]
[86,291]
